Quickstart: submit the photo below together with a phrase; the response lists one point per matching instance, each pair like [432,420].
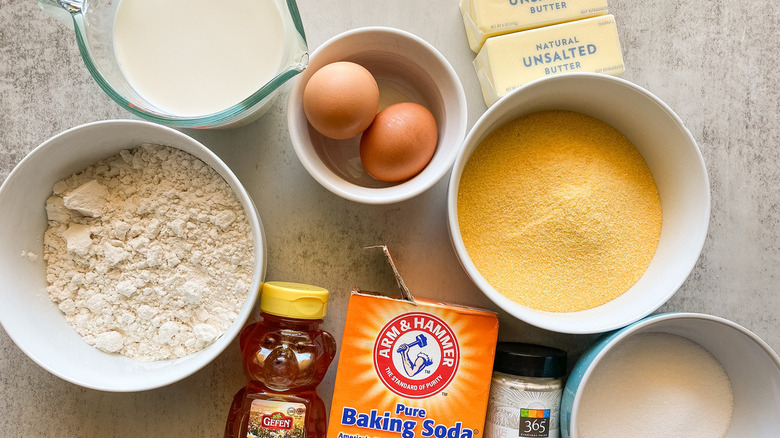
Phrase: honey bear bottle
[285,357]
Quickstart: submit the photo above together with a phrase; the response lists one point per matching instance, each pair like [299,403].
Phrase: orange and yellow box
[412,369]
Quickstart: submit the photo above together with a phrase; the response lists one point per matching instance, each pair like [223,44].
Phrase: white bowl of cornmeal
[586,228]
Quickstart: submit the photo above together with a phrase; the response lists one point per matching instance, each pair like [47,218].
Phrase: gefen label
[416,355]
[271,418]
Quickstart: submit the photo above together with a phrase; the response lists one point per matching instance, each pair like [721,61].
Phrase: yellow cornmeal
[558,211]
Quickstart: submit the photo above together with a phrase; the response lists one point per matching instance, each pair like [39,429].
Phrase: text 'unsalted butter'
[508,61]
[488,18]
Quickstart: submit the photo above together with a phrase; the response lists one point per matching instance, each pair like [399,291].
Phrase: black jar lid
[529,360]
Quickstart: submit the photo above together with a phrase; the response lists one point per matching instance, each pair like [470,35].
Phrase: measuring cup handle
[62,10]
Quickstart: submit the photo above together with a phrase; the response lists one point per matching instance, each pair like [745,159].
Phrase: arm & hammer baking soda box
[412,368]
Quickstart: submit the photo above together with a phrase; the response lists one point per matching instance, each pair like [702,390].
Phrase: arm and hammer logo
[416,355]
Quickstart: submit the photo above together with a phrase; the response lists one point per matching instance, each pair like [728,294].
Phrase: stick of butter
[487,18]
[508,61]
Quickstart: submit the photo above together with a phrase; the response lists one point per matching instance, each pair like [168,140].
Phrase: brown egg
[399,143]
[341,99]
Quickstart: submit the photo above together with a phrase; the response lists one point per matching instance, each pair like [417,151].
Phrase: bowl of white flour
[132,255]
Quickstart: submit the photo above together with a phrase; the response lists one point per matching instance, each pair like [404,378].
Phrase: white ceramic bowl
[407,69]
[751,365]
[27,313]
[671,155]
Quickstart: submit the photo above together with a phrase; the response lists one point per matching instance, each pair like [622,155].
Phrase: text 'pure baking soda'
[197,57]
[412,369]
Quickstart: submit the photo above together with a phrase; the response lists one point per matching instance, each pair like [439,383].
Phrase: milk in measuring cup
[196,57]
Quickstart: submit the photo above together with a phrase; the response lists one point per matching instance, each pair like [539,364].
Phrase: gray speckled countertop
[713,62]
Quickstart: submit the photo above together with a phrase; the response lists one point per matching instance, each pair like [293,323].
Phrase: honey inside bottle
[286,355]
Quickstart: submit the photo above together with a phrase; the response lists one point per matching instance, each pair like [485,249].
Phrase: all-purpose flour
[148,253]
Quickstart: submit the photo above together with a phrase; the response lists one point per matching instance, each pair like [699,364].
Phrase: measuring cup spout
[71,6]
[62,10]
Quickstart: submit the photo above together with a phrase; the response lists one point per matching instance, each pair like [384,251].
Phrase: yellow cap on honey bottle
[294,300]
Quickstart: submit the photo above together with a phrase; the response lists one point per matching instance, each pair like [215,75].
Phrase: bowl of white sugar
[132,255]
[675,374]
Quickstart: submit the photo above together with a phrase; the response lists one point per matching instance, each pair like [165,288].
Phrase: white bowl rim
[550,320]
[655,319]
[370,195]
[204,357]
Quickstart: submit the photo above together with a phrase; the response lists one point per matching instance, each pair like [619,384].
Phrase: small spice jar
[525,393]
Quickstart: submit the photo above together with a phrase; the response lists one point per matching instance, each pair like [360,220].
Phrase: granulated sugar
[656,385]
[148,253]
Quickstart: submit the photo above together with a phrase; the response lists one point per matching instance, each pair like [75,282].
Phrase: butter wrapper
[488,18]
[509,61]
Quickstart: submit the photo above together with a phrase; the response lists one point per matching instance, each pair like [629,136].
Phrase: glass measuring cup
[93,21]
